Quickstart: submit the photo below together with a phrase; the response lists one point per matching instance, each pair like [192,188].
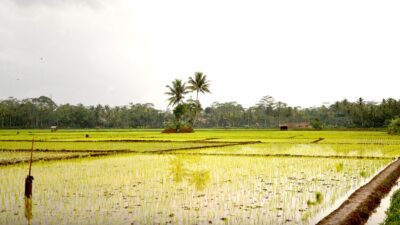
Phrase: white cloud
[300,52]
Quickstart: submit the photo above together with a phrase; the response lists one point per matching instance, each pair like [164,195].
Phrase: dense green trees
[394,126]
[42,112]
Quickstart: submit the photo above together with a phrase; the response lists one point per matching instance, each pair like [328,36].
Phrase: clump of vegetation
[185,113]
[318,199]
[200,179]
[316,124]
[393,213]
[339,167]
[394,126]
[363,174]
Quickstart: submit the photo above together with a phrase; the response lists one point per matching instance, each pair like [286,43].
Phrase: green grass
[393,213]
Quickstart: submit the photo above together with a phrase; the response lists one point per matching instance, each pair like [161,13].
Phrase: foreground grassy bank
[393,213]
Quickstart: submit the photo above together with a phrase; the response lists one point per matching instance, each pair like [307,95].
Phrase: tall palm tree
[176,91]
[199,84]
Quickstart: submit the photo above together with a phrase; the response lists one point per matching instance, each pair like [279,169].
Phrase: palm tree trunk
[197,108]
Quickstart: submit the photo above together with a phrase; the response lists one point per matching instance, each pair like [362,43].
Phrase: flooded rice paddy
[164,189]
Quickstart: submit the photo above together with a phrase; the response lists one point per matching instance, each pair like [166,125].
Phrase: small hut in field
[53,128]
[301,125]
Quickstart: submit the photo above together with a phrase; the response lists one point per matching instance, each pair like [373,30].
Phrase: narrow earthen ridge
[6,163]
[203,147]
[360,205]
[207,140]
[281,155]
[94,153]
[318,140]
[132,150]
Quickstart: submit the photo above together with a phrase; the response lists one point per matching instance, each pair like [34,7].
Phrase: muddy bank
[361,204]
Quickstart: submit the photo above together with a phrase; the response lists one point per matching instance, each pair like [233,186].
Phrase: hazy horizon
[118,51]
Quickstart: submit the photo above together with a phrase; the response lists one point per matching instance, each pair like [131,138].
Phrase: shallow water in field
[162,189]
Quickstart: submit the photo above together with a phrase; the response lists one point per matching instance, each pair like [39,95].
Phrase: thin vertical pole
[30,162]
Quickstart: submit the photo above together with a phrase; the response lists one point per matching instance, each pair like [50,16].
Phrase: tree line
[43,112]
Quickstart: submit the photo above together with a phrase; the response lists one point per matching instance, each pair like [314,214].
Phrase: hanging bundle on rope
[29,178]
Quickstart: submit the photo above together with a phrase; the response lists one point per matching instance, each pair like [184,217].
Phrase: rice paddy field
[206,177]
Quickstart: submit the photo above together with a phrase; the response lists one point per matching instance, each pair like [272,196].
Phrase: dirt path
[360,205]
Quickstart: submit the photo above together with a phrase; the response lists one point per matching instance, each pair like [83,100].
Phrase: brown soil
[360,205]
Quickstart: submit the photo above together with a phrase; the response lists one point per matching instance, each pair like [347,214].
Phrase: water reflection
[200,179]
[181,169]
[178,169]
[28,210]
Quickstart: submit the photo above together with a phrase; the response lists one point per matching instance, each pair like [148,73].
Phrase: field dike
[6,163]
[281,155]
[94,153]
[361,204]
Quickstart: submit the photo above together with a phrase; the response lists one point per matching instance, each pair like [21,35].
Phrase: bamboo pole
[29,178]
[30,161]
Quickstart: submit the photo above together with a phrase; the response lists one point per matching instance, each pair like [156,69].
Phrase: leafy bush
[185,129]
[316,124]
[394,126]
[318,199]
[177,126]
[169,131]
[339,167]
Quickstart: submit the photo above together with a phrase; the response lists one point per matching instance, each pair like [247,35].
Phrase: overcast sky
[114,52]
